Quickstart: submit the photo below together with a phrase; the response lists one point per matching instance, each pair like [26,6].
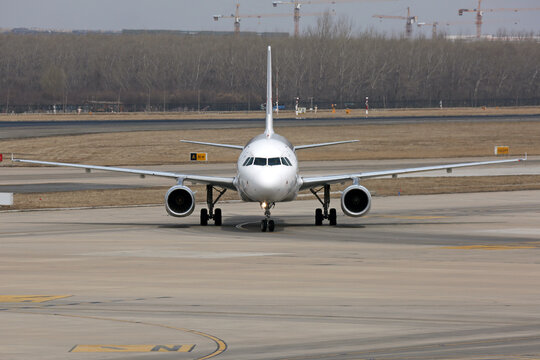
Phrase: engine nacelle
[355,201]
[179,201]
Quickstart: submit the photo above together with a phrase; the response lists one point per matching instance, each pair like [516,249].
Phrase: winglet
[269,120]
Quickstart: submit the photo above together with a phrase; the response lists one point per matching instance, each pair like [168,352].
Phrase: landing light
[264,205]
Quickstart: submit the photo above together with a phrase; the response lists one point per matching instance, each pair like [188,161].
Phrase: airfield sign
[198,156]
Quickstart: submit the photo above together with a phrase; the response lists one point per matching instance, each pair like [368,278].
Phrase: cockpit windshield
[264,161]
[260,161]
[248,161]
[285,161]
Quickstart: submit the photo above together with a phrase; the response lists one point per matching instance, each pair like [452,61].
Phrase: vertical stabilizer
[269,120]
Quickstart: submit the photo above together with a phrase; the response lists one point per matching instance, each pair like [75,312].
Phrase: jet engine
[355,201]
[179,201]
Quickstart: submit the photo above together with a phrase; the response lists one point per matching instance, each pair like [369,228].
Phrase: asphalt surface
[26,129]
[421,277]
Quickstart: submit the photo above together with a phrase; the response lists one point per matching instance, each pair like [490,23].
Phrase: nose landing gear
[267,224]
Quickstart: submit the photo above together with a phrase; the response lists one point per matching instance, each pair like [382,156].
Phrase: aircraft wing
[300,147]
[225,182]
[237,147]
[309,182]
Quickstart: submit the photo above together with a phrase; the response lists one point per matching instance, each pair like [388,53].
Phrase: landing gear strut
[324,213]
[267,224]
[212,213]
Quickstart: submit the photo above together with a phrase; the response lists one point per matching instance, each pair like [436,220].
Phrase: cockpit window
[248,161]
[285,161]
[260,161]
[263,161]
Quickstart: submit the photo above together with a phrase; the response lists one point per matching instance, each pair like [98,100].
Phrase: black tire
[318,217]
[264,225]
[332,216]
[217,217]
[204,217]
[271,225]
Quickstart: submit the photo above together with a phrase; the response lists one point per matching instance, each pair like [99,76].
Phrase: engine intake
[355,201]
[179,201]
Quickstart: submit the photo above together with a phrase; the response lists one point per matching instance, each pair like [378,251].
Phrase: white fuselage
[268,170]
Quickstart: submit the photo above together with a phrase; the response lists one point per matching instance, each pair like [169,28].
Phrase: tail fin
[269,120]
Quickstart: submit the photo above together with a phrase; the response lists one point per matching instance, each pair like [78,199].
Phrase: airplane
[267,173]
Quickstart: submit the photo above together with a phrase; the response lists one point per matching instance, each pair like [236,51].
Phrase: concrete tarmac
[421,277]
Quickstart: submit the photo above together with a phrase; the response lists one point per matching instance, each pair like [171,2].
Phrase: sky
[197,15]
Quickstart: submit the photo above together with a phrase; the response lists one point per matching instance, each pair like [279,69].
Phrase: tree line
[326,65]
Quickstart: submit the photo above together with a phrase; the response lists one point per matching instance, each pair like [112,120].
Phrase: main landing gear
[324,213]
[212,213]
[267,224]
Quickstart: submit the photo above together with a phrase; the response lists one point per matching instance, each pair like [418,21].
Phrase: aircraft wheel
[217,217]
[318,217]
[204,217]
[271,225]
[264,225]
[332,216]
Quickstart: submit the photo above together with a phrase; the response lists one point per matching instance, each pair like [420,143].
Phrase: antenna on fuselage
[269,120]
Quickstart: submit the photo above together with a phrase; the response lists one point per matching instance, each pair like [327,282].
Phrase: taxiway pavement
[426,277]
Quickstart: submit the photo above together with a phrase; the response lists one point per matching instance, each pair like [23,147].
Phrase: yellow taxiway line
[30,298]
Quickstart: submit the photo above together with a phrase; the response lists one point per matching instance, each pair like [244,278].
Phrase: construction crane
[433,29]
[435,24]
[409,20]
[297,4]
[480,14]
[237,16]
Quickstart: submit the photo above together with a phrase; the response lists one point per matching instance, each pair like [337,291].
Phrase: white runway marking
[241,226]
[179,254]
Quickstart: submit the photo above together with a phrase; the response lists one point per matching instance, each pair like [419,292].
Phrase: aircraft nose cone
[268,188]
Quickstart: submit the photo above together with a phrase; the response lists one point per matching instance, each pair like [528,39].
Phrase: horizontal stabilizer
[299,147]
[238,147]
